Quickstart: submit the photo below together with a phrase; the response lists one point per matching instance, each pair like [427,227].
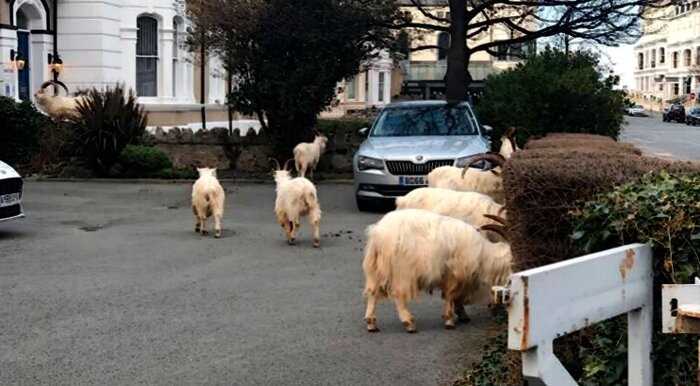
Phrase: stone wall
[247,154]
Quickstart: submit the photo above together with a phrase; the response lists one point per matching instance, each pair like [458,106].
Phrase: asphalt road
[663,139]
[107,283]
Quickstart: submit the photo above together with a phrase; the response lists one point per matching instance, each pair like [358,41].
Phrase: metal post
[202,88]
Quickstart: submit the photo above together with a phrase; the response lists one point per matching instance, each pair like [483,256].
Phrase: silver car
[10,193]
[407,141]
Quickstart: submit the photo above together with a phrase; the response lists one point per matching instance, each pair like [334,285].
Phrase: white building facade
[138,43]
[667,57]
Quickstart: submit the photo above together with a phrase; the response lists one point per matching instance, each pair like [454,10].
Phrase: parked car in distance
[693,116]
[407,141]
[676,112]
[10,193]
[636,111]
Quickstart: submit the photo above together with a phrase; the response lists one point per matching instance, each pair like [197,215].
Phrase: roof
[409,3]
[420,103]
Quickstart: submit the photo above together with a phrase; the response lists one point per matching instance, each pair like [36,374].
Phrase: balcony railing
[417,71]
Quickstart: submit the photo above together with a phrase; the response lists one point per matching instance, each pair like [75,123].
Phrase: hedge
[547,180]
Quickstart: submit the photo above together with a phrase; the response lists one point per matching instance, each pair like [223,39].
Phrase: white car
[10,193]
[636,111]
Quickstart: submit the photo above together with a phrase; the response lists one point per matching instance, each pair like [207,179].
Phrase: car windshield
[695,110]
[425,120]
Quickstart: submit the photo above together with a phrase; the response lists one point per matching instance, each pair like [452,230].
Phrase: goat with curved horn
[497,219]
[275,163]
[286,164]
[497,229]
[494,158]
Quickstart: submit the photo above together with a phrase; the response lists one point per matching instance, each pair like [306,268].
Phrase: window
[366,86]
[697,56]
[686,85]
[662,55]
[653,58]
[351,88]
[675,59]
[444,44]
[676,89]
[686,58]
[661,87]
[502,52]
[640,61]
[380,87]
[147,56]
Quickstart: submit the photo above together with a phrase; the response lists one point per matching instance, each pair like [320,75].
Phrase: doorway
[25,93]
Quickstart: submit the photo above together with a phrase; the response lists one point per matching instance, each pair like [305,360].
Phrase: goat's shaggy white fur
[487,182]
[56,106]
[208,200]
[296,198]
[466,206]
[307,155]
[411,250]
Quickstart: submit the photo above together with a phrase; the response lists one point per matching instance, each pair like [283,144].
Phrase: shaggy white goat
[207,201]
[296,198]
[466,206]
[468,179]
[413,250]
[307,154]
[508,144]
[56,106]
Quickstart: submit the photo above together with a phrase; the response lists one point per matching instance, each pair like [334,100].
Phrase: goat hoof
[449,325]
[217,234]
[372,325]
[204,233]
[291,241]
[317,243]
[410,327]
[196,229]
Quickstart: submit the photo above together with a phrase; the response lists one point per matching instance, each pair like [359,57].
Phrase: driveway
[663,139]
[107,283]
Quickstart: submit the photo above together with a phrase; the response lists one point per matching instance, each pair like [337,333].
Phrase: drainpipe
[202,98]
[55,41]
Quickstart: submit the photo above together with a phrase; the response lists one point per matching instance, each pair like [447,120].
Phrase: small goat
[296,198]
[470,207]
[468,179]
[207,200]
[307,154]
[56,106]
[508,144]
[413,250]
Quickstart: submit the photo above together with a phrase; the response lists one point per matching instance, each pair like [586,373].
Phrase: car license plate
[412,180]
[9,199]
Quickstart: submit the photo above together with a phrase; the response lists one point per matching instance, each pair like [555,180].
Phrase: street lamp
[55,64]
[17,60]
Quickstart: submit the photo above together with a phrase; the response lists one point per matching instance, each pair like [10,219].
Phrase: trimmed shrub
[553,91]
[144,159]
[107,121]
[661,210]
[332,126]
[544,184]
[20,131]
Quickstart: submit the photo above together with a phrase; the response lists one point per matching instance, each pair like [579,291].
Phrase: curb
[174,182]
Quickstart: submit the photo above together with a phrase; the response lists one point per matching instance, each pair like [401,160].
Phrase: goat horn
[498,229]
[277,164]
[495,158]
[495,218]
[287,163]
[46,84]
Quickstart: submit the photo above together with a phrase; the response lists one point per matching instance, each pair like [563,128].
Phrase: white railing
[551,301]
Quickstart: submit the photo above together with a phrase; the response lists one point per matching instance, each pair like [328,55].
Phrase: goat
[470,207]
[413,250]
[296,198]
[307,154]
[508,144]
[470,179]
[56,106]
[207,200]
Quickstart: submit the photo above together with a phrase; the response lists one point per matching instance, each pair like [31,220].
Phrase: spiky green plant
[107,121]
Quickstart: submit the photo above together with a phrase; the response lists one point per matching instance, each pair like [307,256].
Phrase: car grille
[10,211]
[408,168]
[11,185]
[389,190]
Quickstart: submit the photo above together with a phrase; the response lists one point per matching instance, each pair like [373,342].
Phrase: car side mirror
[364,131]
[487,129]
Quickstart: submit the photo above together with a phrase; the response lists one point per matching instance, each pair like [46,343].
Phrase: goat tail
[369,264]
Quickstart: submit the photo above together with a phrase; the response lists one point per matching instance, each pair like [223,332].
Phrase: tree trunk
[457,74]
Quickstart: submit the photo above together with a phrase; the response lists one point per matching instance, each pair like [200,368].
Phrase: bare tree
[517,22]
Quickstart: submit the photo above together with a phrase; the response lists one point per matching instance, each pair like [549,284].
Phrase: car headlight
[367,163]
[462,162]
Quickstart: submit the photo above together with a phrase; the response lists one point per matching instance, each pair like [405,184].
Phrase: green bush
[661,210]
[144,159]
[553,92]
[20,131]
[107,121]
[331,126]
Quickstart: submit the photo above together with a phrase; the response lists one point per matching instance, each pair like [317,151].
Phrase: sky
[621,60]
